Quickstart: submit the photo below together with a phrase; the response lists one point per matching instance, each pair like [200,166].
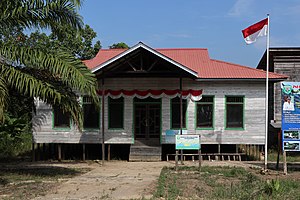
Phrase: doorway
[147,119]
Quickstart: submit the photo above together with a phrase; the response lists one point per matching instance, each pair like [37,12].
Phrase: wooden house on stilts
[142,90]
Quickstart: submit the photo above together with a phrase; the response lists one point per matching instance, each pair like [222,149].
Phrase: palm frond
[71,71]
[39,13]
[42,84]
[3,97]
[28,84]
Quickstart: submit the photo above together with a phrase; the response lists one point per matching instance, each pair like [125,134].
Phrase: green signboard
[187,142]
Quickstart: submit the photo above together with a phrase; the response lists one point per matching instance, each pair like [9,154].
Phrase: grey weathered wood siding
[292,70]
[254,116]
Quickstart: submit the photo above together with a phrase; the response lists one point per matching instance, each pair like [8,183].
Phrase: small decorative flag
[256,30]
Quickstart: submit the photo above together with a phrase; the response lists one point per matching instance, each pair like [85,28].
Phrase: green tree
[78,43]
[55,77]
[120,45]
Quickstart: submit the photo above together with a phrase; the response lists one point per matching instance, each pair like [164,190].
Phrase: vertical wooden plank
[254,152]
[59,152]
[63,147]
[33,152]
[251,151]
[83,152]
[50,151]
[258,152]
[108,152]
[44,152]
[38,157]
[278,148]
[284,163]
[200,159]
[176,161]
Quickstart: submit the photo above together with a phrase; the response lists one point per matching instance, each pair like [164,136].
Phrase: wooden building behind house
[142,106]
[286,61]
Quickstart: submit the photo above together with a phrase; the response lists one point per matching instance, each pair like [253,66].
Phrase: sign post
[187,142]
[290,118]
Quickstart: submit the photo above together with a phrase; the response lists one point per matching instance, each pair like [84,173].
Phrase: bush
[15,137]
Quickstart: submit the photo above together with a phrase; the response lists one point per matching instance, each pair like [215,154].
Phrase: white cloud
[241,7]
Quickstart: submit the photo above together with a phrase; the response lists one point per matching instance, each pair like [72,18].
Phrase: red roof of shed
[196,59]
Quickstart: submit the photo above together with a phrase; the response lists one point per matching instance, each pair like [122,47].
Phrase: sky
[212,24]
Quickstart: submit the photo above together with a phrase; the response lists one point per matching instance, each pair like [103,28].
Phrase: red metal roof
[102,56]
[196,59]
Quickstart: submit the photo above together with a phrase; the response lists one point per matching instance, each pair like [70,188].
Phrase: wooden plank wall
[291,69]
[254,114]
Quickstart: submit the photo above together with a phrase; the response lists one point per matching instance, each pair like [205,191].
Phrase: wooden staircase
[145,150]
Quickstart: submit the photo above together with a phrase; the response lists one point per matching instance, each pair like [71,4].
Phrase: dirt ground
[123,180]
[113,180]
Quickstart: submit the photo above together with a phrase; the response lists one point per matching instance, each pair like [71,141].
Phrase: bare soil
[115,179]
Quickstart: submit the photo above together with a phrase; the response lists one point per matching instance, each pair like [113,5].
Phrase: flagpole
[267,94]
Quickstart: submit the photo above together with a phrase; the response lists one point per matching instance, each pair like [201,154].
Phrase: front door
[147,121]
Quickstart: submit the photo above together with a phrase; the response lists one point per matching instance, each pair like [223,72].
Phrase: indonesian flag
[256,30]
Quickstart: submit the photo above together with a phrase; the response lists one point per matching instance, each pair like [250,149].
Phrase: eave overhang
[240,79]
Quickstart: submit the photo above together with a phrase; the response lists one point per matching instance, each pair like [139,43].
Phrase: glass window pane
[91,118]
[116,107]
[234,115]
[205,115]
[61,120]
[176,112]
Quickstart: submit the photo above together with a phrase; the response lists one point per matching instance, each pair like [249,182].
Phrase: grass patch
[29,182]
[167,185]
[291,156]
[222,183]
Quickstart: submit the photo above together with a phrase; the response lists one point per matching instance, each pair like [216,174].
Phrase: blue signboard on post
[290,123]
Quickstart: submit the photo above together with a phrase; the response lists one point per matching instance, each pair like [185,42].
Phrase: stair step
[146,150]
[145,158]
[143,152]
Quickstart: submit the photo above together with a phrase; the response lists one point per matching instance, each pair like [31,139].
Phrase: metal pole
[181,118]
[267,95]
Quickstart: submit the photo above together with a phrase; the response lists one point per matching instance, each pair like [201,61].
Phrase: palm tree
[55,78]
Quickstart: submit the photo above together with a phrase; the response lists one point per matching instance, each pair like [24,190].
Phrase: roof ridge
[158,49]
[181,48]
[243,66]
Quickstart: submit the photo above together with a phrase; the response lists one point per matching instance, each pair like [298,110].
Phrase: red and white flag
[256,30]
